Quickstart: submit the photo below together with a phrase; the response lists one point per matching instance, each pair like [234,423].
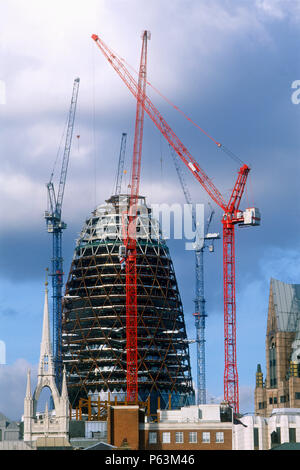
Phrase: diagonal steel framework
[94,320]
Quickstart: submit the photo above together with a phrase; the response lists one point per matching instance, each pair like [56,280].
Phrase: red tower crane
[129,231]
[231,217]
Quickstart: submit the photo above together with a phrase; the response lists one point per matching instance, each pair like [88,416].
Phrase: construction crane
[55,226]
[232,216]
[129,233]
[121,164]
[202,240]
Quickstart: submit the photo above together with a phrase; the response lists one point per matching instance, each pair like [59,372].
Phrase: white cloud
[282,264]
[246,395]
[279,9]
[21,197]
[50,43]
[45,45]
[13,379]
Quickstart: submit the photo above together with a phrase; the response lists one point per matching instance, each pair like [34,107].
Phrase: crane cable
[59,149]
[219,145]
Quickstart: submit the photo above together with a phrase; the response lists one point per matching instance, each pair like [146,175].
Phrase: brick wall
[123,425]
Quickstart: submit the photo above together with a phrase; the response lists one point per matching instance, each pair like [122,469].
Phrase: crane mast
[231,217]
[130,231]
[55,226]
[201,243]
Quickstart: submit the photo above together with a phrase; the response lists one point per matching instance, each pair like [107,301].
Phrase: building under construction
[94,313]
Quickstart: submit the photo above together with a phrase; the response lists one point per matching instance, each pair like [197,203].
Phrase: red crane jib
[231,217]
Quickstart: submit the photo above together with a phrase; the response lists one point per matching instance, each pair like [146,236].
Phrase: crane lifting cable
[59,150]
[219,144]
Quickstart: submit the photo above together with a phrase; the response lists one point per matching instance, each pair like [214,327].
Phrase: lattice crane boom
[121,164]
[55,226]
[231,217]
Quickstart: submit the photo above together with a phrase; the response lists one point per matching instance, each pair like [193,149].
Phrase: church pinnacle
[46,356]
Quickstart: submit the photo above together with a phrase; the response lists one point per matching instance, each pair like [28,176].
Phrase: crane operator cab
[251,216]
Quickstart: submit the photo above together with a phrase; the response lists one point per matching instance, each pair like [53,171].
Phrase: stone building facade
[9,430]
[261,433]
[281,388]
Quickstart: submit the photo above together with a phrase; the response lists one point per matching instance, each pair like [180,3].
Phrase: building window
[297,396]
[206,437]
[275,400]
[292,434]
[270,400]
[219,437]
[278,431]
[275,437]
[282,399]
[255,438]
[152,438]
[166,437]
[179,437]
[193,437]
[272,364]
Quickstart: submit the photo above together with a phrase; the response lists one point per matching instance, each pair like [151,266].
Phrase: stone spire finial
[28,387]
[46,356]
[34,428]
[64,390]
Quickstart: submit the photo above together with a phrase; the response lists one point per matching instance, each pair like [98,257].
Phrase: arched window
[45,397]
[272,363]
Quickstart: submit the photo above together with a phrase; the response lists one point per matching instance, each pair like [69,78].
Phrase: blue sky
[229,66]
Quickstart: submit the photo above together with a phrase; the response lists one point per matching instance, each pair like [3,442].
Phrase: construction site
[119,334]
[115,350]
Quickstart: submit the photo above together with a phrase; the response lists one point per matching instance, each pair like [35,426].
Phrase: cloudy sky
[229,66]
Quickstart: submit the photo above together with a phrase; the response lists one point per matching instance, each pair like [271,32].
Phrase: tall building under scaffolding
[94,313]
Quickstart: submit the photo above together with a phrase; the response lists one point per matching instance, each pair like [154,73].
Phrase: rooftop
[286,299]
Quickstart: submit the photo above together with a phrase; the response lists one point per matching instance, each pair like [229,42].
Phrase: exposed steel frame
[94,319]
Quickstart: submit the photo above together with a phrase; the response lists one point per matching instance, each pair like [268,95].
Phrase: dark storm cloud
[228,65]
